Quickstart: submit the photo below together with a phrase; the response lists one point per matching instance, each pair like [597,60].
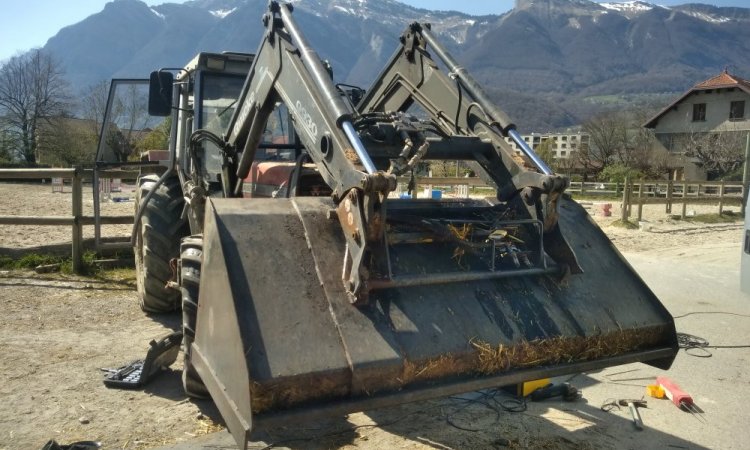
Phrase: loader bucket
[277,338]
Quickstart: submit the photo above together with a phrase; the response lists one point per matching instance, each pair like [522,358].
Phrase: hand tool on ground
[654,390]
[565,390]
[680,398]
[633,405]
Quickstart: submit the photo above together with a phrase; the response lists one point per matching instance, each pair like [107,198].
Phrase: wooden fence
[76,220]
[637,194]
[668,193]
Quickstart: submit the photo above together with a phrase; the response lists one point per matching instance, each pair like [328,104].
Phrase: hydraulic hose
[170,170]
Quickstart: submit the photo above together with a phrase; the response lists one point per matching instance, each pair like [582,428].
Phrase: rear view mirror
[160,93]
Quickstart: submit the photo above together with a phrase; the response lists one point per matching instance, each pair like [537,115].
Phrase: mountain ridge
[559,53]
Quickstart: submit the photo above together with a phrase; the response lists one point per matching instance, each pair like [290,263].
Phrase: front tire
[158,242]
[191,258]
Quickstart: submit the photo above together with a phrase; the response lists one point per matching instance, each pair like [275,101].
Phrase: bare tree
[544,151]
[583,158]
[638,146]
[607,136]
[32,90]
[128,119]
[6,146]
[718,152]
[67,142]
[94,105]
[565,165]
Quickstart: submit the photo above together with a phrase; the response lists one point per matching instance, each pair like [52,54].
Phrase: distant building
[702,117]
[563,145]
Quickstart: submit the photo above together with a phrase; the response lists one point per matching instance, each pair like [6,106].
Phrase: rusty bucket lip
[662,356]
[479,359]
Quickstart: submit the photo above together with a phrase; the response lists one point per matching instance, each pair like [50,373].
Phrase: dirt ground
[57,331]
[38,200]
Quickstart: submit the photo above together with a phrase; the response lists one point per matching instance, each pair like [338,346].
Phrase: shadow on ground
[490,419]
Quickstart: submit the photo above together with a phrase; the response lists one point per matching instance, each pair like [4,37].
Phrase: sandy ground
[57,331]
[38,200]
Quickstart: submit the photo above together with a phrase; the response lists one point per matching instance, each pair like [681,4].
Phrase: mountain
[549,63]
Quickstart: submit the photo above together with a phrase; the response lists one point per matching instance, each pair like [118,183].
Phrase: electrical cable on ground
[696,345]
[710,312]
[489,400]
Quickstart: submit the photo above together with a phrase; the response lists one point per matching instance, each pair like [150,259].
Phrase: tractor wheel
[191,253]
[157,242]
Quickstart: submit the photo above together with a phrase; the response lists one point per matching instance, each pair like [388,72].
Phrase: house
[704,131]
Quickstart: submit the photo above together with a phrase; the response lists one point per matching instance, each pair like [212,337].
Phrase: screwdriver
[679,397]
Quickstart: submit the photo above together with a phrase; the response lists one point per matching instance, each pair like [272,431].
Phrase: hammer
[633,405]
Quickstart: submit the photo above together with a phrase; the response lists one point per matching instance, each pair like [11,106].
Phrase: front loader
[310,288]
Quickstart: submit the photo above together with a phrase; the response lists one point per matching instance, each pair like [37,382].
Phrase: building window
[564,145]
[563,153]
[699,112]
[564,138]
[737,110]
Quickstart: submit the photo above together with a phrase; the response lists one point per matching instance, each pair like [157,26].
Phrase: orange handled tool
[680,398]
[674,393]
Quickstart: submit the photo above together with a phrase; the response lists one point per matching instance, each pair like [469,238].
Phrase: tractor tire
[157,243]
[191,255]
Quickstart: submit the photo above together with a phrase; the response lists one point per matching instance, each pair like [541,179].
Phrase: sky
[29,23]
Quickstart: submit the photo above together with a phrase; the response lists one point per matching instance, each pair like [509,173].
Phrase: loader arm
[286,69]
[457,104]
[454,100]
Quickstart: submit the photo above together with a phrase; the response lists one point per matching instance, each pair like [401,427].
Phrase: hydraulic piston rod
[531,154]
[359,148]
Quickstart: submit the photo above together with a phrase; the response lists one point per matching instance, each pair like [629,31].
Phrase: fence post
[670,187]
[583,188]
[617,185]
[77,194]
[625,200]
[721,197]
[640,200]
[76,198]
[684,200]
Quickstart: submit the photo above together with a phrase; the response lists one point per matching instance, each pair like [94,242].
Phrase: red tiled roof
[723,80]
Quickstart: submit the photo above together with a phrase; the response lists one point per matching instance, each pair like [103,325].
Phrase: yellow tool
[656,391]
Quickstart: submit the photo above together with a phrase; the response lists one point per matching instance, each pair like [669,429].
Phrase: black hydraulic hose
[170,170]
[142,207]
[469,84]
[497,117]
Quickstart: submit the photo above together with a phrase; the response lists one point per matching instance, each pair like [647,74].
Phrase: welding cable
[710,312]
[692,343]
[489,400]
